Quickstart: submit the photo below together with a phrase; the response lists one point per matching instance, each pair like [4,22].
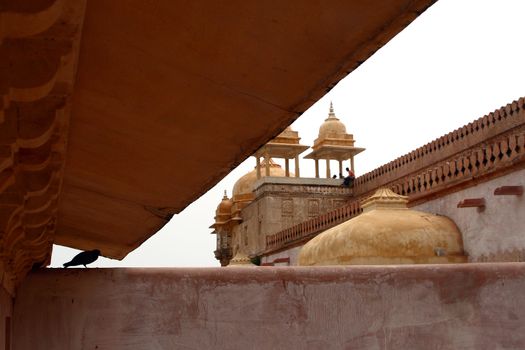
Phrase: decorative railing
[313,226]
[498,155]
[475,133]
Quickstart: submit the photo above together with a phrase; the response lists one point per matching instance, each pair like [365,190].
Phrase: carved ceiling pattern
[38,56]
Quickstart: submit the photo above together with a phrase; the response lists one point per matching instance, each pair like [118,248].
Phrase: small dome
[386,233]
[225,206]
[243,188]
[223,212]
[332,127]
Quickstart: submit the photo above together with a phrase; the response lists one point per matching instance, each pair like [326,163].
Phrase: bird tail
[66,265]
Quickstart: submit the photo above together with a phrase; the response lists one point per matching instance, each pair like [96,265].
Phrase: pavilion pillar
[316,168]
[258,166]
[287,167]
[267,164]
[352,164]
[340,168]
[328,174]
[296,166]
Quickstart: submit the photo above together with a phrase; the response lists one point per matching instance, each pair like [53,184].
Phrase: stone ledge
[262,274]
[477,306]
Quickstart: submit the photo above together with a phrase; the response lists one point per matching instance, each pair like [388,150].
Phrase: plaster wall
[292,254]
[468,306]
[496,233]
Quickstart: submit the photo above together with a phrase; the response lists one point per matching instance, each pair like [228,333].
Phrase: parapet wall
[468,306]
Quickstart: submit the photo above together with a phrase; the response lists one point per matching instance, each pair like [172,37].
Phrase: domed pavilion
[333,143]
[222,228]
[286,145]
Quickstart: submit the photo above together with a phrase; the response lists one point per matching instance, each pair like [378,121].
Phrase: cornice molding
[39,50]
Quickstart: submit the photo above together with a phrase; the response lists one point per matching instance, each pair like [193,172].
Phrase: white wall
[498,232]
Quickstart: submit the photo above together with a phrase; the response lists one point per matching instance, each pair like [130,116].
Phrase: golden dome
[243,188]
[332,127]
[224,207]
[387,233]
[223,212]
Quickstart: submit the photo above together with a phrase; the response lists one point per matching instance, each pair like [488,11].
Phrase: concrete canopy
[170,96]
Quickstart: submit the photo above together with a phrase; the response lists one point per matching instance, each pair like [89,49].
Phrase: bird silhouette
[83,258]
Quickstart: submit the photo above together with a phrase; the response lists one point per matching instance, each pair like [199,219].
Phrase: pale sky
[458,61]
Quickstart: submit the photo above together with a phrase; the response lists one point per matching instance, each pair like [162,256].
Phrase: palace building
[456,199]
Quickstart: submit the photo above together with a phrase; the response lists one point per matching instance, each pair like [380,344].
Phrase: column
[286,167]
[296,166]
[352,164]
[317,168]
[340,168]
[258,166]
[328,175]
[267,165]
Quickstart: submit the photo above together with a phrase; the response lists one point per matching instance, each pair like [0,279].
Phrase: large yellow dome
[243,188]
[387,233]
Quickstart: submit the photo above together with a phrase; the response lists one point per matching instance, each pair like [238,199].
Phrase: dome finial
[225,195]
[331,112]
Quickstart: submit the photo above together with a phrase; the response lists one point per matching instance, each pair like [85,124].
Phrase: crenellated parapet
[39,42]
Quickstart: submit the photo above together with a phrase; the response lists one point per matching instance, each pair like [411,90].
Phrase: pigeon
[83,258]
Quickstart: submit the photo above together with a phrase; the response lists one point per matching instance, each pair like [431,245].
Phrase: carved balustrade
[477,133]
[493,158]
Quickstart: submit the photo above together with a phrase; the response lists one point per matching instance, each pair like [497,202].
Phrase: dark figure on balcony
[349,180]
